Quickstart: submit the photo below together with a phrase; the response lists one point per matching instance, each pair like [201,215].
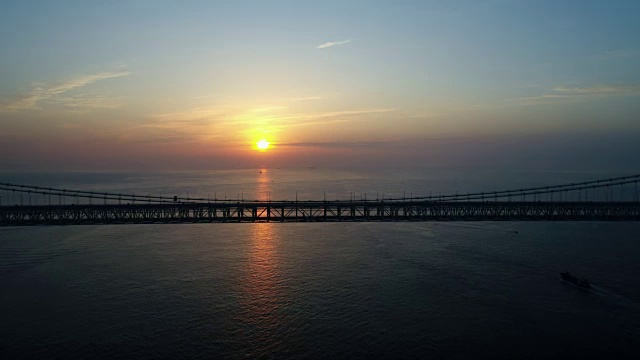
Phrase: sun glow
[262,144]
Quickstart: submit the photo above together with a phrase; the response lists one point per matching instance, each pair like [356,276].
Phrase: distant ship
[583,283]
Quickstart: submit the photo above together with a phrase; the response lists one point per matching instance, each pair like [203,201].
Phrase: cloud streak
[333,43]
[567,94]
[599,90]
[330,114]
[379,143]
[41,93]
[334,144]
[230,124]
[306,98]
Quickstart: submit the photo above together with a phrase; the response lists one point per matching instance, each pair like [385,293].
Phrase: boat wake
[616,298]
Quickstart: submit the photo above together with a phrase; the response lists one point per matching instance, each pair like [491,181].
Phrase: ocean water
[313,290]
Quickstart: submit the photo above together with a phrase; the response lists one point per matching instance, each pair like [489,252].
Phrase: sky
[172,85]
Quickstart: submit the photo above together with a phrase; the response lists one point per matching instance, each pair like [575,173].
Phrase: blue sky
[199,82]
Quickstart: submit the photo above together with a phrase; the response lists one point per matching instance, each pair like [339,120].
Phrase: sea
[402,290]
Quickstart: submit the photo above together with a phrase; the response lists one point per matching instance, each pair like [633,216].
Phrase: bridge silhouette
[612,199]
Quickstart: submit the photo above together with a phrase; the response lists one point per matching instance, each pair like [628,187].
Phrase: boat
[583,283]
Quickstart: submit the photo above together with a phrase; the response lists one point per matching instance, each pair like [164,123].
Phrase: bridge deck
[318,211]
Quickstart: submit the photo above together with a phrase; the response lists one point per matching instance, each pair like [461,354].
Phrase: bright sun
[263,144]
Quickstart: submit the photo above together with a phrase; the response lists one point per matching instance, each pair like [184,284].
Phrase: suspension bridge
[612,199]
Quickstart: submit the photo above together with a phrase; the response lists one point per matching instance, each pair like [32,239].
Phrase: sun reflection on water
[263,298]
[263,187]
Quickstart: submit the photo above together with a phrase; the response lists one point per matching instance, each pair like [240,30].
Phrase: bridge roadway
[318,211]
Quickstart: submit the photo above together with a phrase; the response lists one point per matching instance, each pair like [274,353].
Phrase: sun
[263,144]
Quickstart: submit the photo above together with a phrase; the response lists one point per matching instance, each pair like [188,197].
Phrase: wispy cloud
[229,123]
[334,144]
[85,103]
[566,93]
[333,43]
[307,98]
[282,122]
[40,93]
[599,90]
[378,143]
[542,99]
[330,114]
[268,108]
[194,115]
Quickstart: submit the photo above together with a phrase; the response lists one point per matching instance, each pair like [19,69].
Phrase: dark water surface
[305,290]
[320,290]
